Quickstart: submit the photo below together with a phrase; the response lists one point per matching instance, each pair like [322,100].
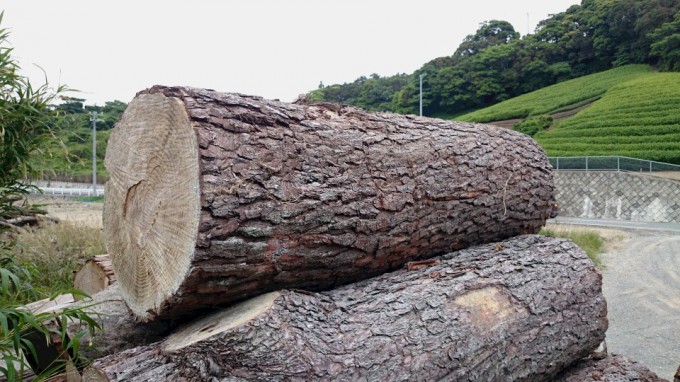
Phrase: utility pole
[421,93]
[94,120]
[527,23]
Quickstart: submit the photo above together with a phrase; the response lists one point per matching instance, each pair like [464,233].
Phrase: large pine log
[216,197]
[519,310]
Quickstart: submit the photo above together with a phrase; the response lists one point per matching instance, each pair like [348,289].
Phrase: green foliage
[589,241]
[559,97]
[22,331]
[74,133]
[636,118]
[533,125]
[665,46]
[490,33]
[25,126]
[26,120]
[494,64]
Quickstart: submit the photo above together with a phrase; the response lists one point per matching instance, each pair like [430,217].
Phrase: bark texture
[296,196]
[96,275]
[520,310]
[611,369]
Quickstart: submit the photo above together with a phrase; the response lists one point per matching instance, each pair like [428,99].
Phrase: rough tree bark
[518,310]
[217,197]
[613,369]
[96,275]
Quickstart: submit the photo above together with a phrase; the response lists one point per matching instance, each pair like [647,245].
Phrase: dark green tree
[665,47]
[490,33]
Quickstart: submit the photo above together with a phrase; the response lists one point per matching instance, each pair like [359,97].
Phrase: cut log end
[95,275]
[220,322]
[154,176]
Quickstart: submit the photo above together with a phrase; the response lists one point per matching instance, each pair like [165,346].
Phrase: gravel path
[642,287]
[641,282]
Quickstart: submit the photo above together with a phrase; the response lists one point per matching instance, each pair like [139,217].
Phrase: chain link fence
[610,163]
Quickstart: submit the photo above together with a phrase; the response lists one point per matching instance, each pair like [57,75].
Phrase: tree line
[496,64]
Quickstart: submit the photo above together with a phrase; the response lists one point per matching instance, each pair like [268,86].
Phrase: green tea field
[629,111]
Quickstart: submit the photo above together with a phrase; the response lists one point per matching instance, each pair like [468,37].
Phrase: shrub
[533,125]
[57,251]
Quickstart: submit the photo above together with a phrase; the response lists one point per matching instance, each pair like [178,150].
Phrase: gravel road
[642,287]
[641,282]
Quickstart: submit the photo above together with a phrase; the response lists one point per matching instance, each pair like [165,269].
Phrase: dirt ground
[86,213]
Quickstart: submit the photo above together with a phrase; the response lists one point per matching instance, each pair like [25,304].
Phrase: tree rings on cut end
[152,204]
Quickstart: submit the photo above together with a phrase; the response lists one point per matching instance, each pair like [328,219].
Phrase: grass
[637,118]
[563,96]
[58,251]
[91,199]
[590,242]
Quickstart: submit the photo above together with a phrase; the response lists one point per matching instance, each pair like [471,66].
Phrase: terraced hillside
[639,118]
[560,97]
[628,111]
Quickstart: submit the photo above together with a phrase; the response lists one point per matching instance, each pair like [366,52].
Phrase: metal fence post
[618,164]
[558,163]
[586,164]
[650,166]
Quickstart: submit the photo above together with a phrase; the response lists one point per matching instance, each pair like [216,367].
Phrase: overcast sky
[273,48]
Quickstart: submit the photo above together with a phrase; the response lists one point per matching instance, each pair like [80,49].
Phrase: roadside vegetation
[54,253]
[589,241]
[26,131]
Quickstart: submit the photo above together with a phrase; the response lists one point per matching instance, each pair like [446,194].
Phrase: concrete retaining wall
[617,195]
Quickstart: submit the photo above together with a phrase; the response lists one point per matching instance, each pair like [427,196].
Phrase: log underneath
[96,275]
[215,197]
[611,369]
[522,310]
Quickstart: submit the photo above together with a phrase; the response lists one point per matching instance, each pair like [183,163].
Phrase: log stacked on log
[219,199]
[511,311]
[216,197]
[96,275]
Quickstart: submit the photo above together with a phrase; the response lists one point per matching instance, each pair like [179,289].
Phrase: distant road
[635,225]
[641,282]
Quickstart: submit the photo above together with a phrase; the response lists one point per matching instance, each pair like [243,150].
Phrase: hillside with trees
[70,158]
[494,64]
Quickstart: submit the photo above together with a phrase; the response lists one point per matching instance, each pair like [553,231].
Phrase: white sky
[273,48]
